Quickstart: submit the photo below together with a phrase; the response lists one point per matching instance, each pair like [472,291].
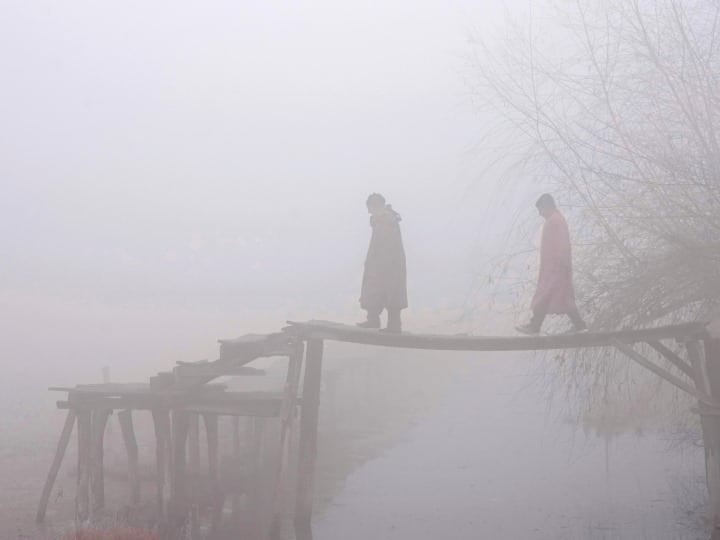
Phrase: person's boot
[394,323]
[532,328]
[373,320]
[529,329]
[578,324]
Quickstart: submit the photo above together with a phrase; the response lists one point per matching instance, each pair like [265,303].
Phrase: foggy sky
[215,157]
[226,149]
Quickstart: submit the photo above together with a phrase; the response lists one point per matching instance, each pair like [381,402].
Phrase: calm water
[490,463]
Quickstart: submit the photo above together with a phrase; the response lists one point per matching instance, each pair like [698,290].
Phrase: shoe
[571,331]
[528,329]
[368,324]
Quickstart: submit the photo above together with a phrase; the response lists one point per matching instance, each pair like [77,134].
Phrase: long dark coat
[555,292]
[384,282]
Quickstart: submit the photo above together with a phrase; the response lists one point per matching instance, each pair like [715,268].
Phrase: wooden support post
[672,357]
[697,392]
[213,447]
[236,464]
[161,424]
[704,363]
[82,497]
[194,473]
[287,416]
[178,505]
[55,467]
[308,440]
[128,434]
[256,495]
[97,458]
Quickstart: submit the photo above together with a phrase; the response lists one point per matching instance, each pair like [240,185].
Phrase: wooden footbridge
[279,450]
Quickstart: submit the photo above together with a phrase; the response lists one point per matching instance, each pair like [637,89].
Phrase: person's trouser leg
[394,323]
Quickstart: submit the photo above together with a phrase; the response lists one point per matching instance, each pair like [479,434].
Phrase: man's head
[545,205]
[375,203]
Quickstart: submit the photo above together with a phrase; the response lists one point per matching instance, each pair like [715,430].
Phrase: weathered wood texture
[82,493]
[340,332]
[699,392]
[55,466]
[308,440]
[161,424]
[212,432]
[97,458]
[287,417]
[128,433]
[178,504]
[706,371]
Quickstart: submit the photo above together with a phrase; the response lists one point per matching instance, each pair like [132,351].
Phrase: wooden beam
[308,440]
[138,403]
[97,458]
[128,434]
[710,425]
[257,491]
[319,330]
[161,425]
[247,348]
[236,462]
[674,359]
[287,415]
[56,463]
[216,369]
[178,505]
[212,431]
[82,497]
[194,474]
[698,394]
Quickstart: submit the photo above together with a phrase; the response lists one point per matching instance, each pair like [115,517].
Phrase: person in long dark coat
[384,284]
[555,292]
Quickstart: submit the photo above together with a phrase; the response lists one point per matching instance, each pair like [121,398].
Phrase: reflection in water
[490,463]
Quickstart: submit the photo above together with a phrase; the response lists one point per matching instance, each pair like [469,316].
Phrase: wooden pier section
[280,435]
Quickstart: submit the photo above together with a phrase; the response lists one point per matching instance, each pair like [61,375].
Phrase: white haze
[178,172]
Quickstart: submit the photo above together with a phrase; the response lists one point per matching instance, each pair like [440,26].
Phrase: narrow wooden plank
[55,466]
[308,440]
[128,434]
[97,458]
[82,497]
[216,369]
[319,330]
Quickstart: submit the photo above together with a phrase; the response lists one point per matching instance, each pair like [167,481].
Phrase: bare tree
[620,115]
[616,105]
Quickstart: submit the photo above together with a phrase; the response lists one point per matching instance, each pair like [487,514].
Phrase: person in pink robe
[555,293]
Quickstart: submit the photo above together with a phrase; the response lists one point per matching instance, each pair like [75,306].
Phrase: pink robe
[555,292]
